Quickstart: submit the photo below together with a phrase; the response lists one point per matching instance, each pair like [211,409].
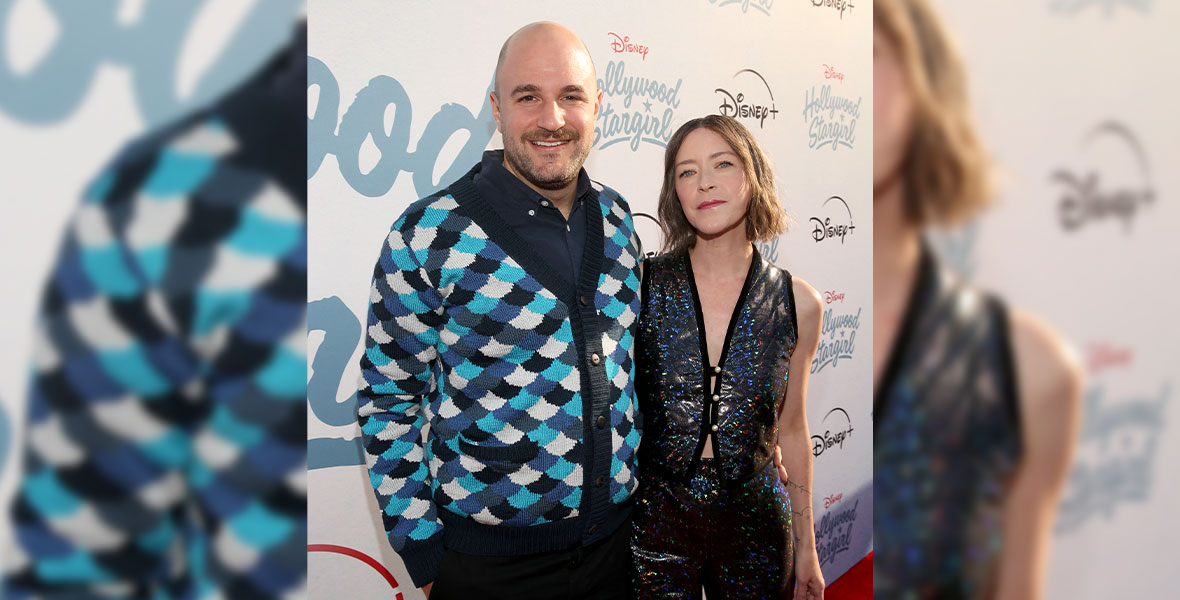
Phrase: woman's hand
[809,579]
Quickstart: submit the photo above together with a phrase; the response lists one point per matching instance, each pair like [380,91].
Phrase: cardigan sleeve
[398,375]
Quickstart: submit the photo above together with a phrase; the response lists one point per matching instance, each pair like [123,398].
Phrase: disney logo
[820,443]
[1085,200]
[736,106]
[824,229]
[1103,356]
[834,498]
[833,296]
[622,43]
[831,73]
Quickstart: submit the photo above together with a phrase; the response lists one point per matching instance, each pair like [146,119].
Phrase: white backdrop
[77,82]
[398,107]
[1077,105]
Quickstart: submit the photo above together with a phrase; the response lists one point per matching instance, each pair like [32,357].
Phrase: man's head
[545,99]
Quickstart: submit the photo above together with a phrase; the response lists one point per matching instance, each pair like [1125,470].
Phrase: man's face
[545,103]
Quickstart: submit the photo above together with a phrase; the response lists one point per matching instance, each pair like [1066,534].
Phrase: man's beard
[518,156]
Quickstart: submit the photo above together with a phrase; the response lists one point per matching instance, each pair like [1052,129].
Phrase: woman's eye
[685,173]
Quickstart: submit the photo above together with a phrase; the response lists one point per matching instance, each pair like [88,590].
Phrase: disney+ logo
[1088,196]
[838,5]
[826,229]
[830,437]
[739,105]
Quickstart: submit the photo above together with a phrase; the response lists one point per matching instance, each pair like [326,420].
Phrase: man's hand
[778,463]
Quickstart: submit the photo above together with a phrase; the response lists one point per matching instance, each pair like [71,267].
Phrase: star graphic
[647,105]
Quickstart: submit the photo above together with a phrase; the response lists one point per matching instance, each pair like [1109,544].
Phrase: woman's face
[893,110]
[711,184]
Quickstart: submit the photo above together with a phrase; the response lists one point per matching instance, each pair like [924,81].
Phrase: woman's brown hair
[765,217]
[946,170]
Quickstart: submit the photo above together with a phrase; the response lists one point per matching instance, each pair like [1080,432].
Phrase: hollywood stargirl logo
[762,6]
[1071,7]
[831,118]
[1116,456]
[636,108]
[833,533]
[837,339]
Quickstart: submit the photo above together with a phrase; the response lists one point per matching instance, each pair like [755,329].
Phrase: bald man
[502,315]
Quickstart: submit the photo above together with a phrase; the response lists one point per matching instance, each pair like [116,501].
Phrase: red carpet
[855,584]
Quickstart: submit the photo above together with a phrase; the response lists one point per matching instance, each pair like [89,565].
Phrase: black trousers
[601,571]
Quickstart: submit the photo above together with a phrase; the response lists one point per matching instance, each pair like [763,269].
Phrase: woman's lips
[710,204]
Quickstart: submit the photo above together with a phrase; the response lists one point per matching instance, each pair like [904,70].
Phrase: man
[502,314]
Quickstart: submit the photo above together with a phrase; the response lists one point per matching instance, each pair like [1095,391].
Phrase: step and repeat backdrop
[77,83]
[398,108]
[1076,102]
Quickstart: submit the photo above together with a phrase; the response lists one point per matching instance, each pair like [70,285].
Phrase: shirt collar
[492,168]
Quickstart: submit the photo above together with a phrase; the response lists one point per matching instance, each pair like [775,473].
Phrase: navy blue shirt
[533,217]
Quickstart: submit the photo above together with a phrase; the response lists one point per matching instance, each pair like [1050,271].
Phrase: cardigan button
[714,428]
[600,422]
[584,300]
[594,358]
[593,529]
[716,398]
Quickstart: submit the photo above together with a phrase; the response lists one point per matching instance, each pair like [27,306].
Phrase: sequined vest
[683,398]
[946,441]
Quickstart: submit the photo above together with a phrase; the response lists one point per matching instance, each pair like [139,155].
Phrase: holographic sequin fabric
[945,445]
[730,539]
[720,524]
[682,397]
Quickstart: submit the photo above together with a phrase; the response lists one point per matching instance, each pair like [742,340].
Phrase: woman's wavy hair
[765,217]
[946,171]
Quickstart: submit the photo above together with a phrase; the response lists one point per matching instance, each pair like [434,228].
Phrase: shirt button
[593,529]
[594,358]
[600,481]
[544,203]
[600,422]
[532,212]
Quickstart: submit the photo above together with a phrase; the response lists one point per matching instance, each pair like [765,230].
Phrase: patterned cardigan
[525,382]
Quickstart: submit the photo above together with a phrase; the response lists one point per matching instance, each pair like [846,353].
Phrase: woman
[976,406]
[725,344]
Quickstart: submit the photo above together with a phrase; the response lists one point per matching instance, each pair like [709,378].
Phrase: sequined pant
[731,540]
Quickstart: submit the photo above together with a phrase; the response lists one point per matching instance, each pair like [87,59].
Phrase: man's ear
[495,109]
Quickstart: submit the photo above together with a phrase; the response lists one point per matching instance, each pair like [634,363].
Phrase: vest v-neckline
[712,396]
